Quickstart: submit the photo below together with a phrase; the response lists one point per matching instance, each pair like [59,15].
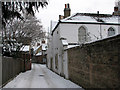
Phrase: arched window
[82,37]
[111,31]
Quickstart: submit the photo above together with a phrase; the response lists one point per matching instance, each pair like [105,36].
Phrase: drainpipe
[24,62]
[100,31]
[100,26]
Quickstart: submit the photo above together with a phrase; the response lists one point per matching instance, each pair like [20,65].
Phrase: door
[51,63]
[62,66]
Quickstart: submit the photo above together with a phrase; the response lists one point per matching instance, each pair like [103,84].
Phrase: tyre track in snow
[48,80]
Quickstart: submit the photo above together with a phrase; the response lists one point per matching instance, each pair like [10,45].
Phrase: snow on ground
[40,77]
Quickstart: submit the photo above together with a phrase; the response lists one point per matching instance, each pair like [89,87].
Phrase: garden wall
[11,67]
[96,65]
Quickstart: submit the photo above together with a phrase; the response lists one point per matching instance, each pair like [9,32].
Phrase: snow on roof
[44,47]
[71,46]
[113,19]
[83,19]
[95,18]
[64,42]
[25,48]
[40,53]
[35,48]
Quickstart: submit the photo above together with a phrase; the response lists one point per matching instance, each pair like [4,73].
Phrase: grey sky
[56,7]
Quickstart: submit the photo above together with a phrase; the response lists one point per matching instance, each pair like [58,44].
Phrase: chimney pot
[38,44]
[61,17]
[98,12]
[115,8]
[67,10]
[65,5]
[68,6]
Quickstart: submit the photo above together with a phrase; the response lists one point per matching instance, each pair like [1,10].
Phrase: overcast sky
[56,7]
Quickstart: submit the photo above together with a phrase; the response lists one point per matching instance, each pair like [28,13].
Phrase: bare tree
[30,28]
[16,8]
[16,28]
[19,33]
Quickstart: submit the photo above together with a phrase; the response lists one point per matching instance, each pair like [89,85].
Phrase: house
[25,55]
[75,30]
[40,53]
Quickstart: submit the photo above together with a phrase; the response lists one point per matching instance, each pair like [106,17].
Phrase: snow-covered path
[40,77]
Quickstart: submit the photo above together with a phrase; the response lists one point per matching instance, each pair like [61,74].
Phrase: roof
[90,18]
[64,42]
[36,48]
[40,48]
[44,47]
[25,48]
[39,54]
[72,46]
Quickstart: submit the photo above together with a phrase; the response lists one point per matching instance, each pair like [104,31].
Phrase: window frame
[85,35]
[111,31]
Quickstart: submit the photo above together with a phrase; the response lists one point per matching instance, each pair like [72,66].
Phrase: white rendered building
[75,30]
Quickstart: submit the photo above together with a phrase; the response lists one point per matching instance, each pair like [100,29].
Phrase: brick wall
[39,59]
[96,65]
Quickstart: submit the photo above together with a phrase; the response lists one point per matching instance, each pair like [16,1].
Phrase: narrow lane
[40,77]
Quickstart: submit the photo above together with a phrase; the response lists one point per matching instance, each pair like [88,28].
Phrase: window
[56,61]
[111,31]
[57,32]
[82,37]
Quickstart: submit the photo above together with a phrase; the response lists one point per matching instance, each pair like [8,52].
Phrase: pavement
[40,77]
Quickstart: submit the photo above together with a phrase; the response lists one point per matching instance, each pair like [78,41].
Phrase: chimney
[67,10]
[43,41]
[61,17]
[38,44]
[115,9]
[98,12]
